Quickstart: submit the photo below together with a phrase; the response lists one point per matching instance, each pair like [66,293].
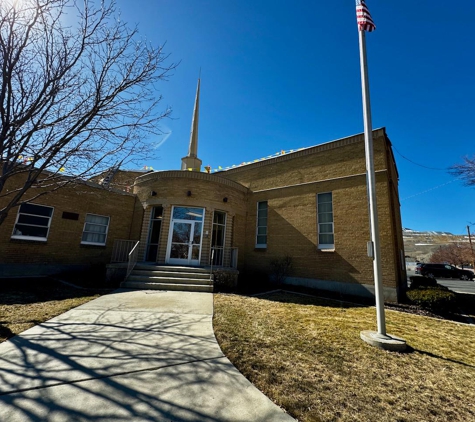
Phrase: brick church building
[310,205]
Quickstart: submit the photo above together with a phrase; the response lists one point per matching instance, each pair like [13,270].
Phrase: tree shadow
[124,363]
[5,332]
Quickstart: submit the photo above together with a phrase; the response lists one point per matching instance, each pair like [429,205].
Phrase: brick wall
[170,188]
[291,183]
[63,245]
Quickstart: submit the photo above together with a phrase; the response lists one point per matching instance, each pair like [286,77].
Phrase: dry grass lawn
[306,355]
[25,303]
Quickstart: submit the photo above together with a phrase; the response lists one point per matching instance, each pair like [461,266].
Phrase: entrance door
[186,229]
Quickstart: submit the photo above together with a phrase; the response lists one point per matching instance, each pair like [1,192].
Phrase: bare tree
[465,171]
[454,253]
[75,98]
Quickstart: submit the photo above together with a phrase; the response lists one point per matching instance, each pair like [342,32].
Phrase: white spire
[191,161]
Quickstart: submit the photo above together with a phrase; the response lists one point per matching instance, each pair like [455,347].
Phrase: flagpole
[375,247]
[376,338]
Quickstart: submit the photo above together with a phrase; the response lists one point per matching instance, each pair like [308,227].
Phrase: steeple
[191,161]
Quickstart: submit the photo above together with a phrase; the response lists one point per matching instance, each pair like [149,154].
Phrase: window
[154,233]
[217,237]
[95,230]
[261,230]
[325,221]
[183,213]
[32,222]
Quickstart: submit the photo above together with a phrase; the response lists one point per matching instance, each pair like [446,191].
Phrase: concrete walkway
[127,356]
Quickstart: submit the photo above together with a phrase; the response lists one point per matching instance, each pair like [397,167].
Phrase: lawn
[28,302]
[306,355]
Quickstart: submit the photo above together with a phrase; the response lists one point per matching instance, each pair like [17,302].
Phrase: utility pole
[471,246]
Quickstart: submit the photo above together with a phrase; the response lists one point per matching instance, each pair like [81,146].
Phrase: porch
[125,266]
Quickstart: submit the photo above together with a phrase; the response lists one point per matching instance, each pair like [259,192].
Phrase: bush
[93,276]
[225,281]
[419,281]
[254,281]
[280,269]
[437,299]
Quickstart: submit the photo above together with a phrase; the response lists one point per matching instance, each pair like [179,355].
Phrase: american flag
[363,17]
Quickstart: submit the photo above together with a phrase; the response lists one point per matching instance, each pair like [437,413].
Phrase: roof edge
[337,143]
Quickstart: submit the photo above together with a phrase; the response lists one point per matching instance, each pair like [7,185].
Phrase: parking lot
[458,286]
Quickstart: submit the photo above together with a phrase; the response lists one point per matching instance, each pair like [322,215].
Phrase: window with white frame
[32,222]
[325,221]
[261,230]
[95,230]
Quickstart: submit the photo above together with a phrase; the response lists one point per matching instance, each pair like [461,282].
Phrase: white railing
[133,257]
[121,250]
[223,257]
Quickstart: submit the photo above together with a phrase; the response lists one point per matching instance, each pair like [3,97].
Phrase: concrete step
[170,280]
[171,274]
[170,268]
[166,286]
[167,277]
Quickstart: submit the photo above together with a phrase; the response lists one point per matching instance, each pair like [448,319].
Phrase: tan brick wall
[395,206]
[239,237]
[332,160]
[207,191]
[290,184]
[122,179]
[144,233]
[63,245]
[206,241]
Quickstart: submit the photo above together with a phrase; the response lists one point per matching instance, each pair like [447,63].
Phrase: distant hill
[419,246]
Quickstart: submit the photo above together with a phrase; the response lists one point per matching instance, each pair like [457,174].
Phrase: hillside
[419,246]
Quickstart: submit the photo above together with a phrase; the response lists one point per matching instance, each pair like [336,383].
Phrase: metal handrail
[121,250]
[221,256]
[133,258]
[211,271]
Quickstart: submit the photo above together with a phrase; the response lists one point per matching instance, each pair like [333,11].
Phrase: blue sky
[280,75]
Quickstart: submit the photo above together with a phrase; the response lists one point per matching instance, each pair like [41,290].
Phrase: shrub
[94,276]
[280,268]
[225,281]
[420,281]
[253,281]
[437,299]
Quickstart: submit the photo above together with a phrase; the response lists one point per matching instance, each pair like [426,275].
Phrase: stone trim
[189,175]
[317,181]
[97,186]
[308,151]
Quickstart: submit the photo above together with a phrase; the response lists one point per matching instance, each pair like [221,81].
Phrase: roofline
[337,143]
[75,180]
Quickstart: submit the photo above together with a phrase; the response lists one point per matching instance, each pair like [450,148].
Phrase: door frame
[189,262]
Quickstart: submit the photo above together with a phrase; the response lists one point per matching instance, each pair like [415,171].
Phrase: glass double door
[185,238]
